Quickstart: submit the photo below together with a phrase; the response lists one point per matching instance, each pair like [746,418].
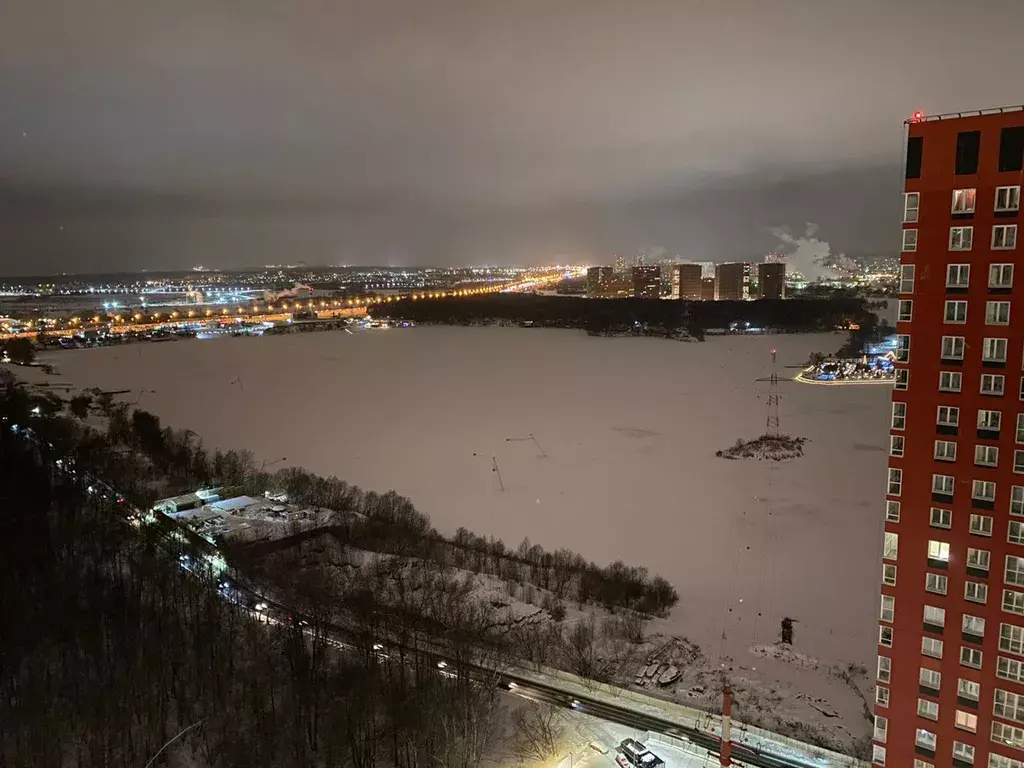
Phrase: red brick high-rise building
[950,674]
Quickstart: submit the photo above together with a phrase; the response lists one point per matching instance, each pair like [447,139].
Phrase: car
[575,704]
[442,664]
[508,685]
[260,606]
[378,646]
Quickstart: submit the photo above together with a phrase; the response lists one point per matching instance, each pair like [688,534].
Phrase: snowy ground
[630,428]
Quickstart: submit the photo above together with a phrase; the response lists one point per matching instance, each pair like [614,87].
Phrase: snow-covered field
[629,426]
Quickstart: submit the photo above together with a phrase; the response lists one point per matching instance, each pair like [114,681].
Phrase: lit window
[981,525]
[936,584]
[909,240]
[905,311]
[907,270]
[885,636]
[990,420]
[978,558]
[1013,601]
[892,511]
[966,721]
[931,646]
[902,379]
[911,206]
[941,518]
[1007,199]
[928,709]
[975,592]
[956,312]
[963,752]
[973,625]
[1004,237]
[891,545]
[1009,706]
[899,415]
[884,668]
[960,238]
[1008,735]
[1014,572]
[950,381]
[1017,500]
[963,200]
[895,481]
[888,608]
[935,616]
[925,739]
[903,348]
[997,313]
[993,384]
[1015,532]
[881,696]
[946,416]
[986,455]
[1009,669]
[958,275]
[970,657]
[943,484]
[896,445]
[1000,276]
[968,689]
[983,490]
[952,347]
[993,350]
[930,679]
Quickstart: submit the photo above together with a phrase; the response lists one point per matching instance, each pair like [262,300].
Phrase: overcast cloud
[166,133]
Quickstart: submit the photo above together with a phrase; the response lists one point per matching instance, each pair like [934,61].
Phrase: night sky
[165,133]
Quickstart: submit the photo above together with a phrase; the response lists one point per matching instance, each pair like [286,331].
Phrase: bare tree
[537,732]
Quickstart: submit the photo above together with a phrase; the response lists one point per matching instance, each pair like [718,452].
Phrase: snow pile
[771,447]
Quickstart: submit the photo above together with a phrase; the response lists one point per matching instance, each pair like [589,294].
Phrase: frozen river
[629,426]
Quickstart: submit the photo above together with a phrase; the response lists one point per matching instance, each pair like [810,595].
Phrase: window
[1014,571]
[950,381]
[909,240]
[1013,601]
[890,546]
[960,238]
[997,313]
[1017,500]
[888,608]
[1018,462]
[881,728]
[1007,199]
[990,420]
[968,144]
[892,511]
[973,625]
[1004,237]
[902,379]
[925,739]
[963,200]
[1022,388]
[922,764]
[899,415]
[907,271]
[1000,276]
[952,347]
[975,592]
[1010,735]
[956,312]
[930,678]
[896,445]
[884,668]
[877,754]
[985,455]
[947,416]
[928,709]
[968,689]
[1020,428]
[935,583]
[1009,706]
[1015,532]
[970,657]
[966,721]
[895,481]
[1011,151]
[931,646]
[958,275]
[885,636]
[978,559]
[906,311]
[983,490]
[945,450]
[963,752]
[915,150]
[903,348]
[1010,669]
[911,206]
[881,696]
[1011,639]
[992,384]
[935,616]
[941,518]
[999,761]
[993,350]
[943,484]
[981,525]
[938,550]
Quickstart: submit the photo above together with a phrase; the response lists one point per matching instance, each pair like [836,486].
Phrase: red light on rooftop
[917,117]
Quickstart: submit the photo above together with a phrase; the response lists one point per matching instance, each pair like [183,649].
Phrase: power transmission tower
[772,421]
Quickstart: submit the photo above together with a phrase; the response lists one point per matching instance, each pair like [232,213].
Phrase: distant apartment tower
[647,282]
[950,673]
[771,280]
[707,289]
[732,281]
[686,281]
[599,281]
